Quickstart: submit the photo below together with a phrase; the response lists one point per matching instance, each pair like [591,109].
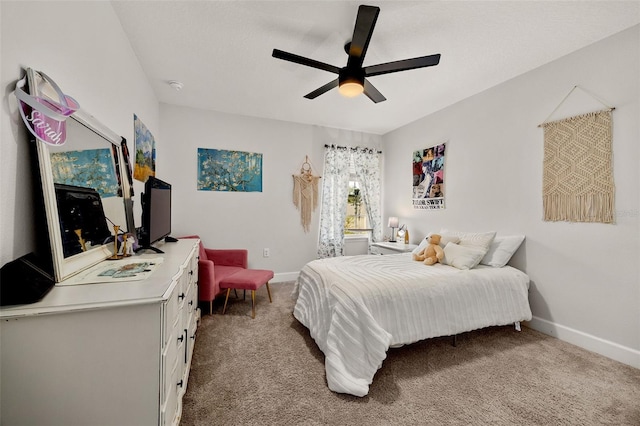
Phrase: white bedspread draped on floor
[356,307]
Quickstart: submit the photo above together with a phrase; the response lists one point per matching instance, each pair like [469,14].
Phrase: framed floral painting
[233,171]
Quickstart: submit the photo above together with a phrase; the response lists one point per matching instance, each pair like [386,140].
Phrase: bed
[357,307]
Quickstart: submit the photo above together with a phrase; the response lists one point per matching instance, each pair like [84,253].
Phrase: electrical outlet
[265,252]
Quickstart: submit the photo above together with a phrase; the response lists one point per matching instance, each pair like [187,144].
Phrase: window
[356,221]
[356,209]
[340,198]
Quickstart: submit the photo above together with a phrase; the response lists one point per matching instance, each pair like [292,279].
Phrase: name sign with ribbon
[45,117]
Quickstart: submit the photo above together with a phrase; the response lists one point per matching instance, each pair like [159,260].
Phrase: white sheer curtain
[339,150]
[335,188]
[367,166]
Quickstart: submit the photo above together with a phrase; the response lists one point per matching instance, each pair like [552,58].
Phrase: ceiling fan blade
[279,54]
[365,23]
[319,91]
[403,65]
[373,93]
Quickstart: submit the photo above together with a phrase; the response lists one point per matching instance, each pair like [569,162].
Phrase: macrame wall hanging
[577,167]
[305,193]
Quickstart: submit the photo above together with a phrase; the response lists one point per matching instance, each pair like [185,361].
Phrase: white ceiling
[221,52]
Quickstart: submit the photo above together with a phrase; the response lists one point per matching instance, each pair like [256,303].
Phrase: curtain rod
[351,148]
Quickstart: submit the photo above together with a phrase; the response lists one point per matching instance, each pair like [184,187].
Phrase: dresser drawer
[169,358]
[169,407]
[171,314]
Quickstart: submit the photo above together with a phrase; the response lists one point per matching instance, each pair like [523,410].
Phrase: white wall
[585,278]
[81,46]
[252,220]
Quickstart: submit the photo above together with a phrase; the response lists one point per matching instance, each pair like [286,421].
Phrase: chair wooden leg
[226,299]
[269,291]
[253,304]
[211,307]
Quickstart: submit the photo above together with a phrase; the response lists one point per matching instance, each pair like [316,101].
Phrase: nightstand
[386,247]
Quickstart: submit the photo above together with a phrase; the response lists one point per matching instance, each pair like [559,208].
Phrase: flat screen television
[82,219]
[156,214]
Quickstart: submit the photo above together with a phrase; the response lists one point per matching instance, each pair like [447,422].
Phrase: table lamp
[393,224]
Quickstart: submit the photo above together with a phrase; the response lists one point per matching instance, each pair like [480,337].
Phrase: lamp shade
[351,82]
[351,89]
[393,222]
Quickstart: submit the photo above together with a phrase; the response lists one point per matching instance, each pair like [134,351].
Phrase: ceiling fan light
[351,88]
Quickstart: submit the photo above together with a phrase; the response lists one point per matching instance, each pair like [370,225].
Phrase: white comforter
[356,307]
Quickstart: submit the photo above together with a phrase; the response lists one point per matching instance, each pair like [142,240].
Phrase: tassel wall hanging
[305,193]
[577,169]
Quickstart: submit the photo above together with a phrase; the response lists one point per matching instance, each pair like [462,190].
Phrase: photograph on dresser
[124,269]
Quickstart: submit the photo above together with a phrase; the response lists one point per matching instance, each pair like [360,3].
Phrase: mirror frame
[64,268]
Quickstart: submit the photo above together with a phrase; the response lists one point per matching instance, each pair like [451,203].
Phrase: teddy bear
[432,253]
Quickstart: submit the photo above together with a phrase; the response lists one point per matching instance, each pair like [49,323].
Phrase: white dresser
[106,353]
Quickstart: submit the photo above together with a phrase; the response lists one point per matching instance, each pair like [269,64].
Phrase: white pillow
[443,242]
[481,240]
[422,244]
[446,239]
[462,257]
[501,250]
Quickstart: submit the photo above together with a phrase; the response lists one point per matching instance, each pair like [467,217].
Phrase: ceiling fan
[352,79]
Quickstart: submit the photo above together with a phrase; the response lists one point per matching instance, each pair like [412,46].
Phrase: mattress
[356,307]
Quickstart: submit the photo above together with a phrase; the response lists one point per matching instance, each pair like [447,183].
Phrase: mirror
[80,179]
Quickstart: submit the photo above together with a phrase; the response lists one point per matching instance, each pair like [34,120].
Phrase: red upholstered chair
[214,265]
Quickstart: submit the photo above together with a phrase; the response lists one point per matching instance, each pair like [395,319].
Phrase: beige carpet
[268,371]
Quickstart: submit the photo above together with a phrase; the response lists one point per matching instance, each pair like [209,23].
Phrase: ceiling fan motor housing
[351,75]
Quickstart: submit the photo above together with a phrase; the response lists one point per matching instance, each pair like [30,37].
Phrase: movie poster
[428,178]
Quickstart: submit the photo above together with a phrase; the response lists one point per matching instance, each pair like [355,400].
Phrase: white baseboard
[586,341]
[284,277]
